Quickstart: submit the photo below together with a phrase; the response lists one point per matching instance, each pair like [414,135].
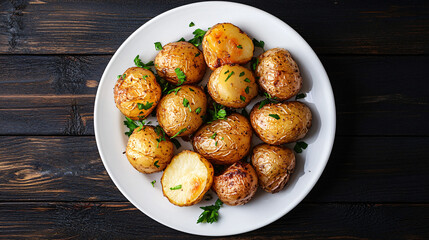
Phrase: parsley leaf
[268,100]
[210,213]
[227,71]
[176,187]
[191,24]
[299,146]
[146,106]
[141,64]
[198,110]
[198,37]
[186,104]
[242,98]
[131,124]
[247,89]
[175,90]
[229,75]
[241,74]
[213,136]
[257,43]
[158,46]
[153,183]
[161,134]
[254,63]
[180,75]
[181,40]
[274,116]
[239,46]
[218,112]
[192,90]
[156,164]
[179,132]
[247,80]
[197,54]
[301,95]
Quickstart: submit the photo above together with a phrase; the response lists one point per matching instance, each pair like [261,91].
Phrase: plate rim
[299,198]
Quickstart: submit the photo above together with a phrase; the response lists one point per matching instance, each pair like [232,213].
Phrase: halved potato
[225,43]
[187,178]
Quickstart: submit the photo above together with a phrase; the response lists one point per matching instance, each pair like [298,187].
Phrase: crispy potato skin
[226,86]
[143,151]
[181,55]
[173,116]
[237,184]
[193,172]
[138,86]
[294,123]
[221,45]
[233,137]
[279,74]
[273,165]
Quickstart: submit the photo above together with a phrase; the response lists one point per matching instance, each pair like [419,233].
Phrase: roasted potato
[273,165]
[137,93]
[224,141]
[181,111]
[187,178]
[232,86]
[145,153]
[225,43]
[278,74]
[237,184]
[279,123]
[182,55]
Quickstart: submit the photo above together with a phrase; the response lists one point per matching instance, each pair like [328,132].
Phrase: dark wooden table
[54,185]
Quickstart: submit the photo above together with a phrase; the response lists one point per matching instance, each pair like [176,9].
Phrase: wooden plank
[346,27]
[361,169]
[122,221]
[54,95]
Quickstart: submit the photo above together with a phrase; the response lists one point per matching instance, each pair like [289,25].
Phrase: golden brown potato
[279,123]
[224,141]
[225,43]
[137,93]
[145,153]
[273,165]
[237,184]
[182,110]
[232,86]
[278,74]
[187,178]
[182,55]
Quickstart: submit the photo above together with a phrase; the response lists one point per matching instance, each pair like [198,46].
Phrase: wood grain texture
[54,95]
[361,169]
[122,221]
[94,27]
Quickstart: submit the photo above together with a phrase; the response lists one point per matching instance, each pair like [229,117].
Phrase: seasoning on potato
[180,58]
[273,165]
[278,74]
[148,151]
[237,184]
[180,112]
[187,178]
[137,93]
[279,123]
[225,43]
[232,86]
[224,141]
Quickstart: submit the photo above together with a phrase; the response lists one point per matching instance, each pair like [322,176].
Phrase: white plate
[264,208]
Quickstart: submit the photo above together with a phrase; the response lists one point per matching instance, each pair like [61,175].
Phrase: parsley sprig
[259,44]
[218,112]
[131,124]
[211,213]
[161,134]
[299,146]
[180,75]
[268,99]
[138,62]
[198,37]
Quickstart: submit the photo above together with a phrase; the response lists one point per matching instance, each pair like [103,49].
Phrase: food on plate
[273,165]
[278,74]
[178,57]
[148,151]
[237,184]
[187,178]
[224,141]
[181,111]
[279,123]
[225,43]
[137,93]
[232,86]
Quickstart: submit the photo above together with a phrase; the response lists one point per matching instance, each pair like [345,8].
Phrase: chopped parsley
[198,37]
[242,98]
[227,71]
[156,164]
[144,77]
[254,63]
[229,75]
[161,134]
[191,24]
[192,90]
[247,80]
[198,110]
[213,136]
[186,104]
[153,183]
[197,54]
[158,46]
[218,112]
[181,40]
[247,90]
[268,100]
[259,44]
[241,74]
[179,132]
[175,90]
[244,113]
[123,76]
[176,187]
[210,213]
[146,106]
[180,75]
[301,95]
[131,124]
[274,116]
[299,146]
[216,143]
[239,46]
[176,143]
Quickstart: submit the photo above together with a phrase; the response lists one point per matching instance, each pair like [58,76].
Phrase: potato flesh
[190,171]
[228,88]
[224,44]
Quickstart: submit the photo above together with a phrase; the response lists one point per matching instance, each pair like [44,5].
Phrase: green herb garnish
[247,80]
[156,164]
[191,24]
[186,104]
[268,99]
[227,71]
[161,134]
[146,106]
[192,90]
[176,143]
[176,187]
[216,143]
[218,112]
[299,146]
[198,37]
[242,98]
[239,46]
[197,54]
[179,132]
[175,90]
[244,113]
[141,64]
[158,46]
[247,89]
[131,124]
[259,44]
[181,40]
[301,95]
[241,74]
[274,116]
[153,183]
[229,75]
[210,213]
[180,75]
[213,136]
[198,110]
[254,63]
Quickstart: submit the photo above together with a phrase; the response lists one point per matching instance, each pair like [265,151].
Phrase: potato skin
[279,74]
[221,45]
[143,150]
[181,55]
[233,137]
[173,116]
[294,123]
[237,184]
[273,165]
[226,86]
[138,86]
[186,169]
